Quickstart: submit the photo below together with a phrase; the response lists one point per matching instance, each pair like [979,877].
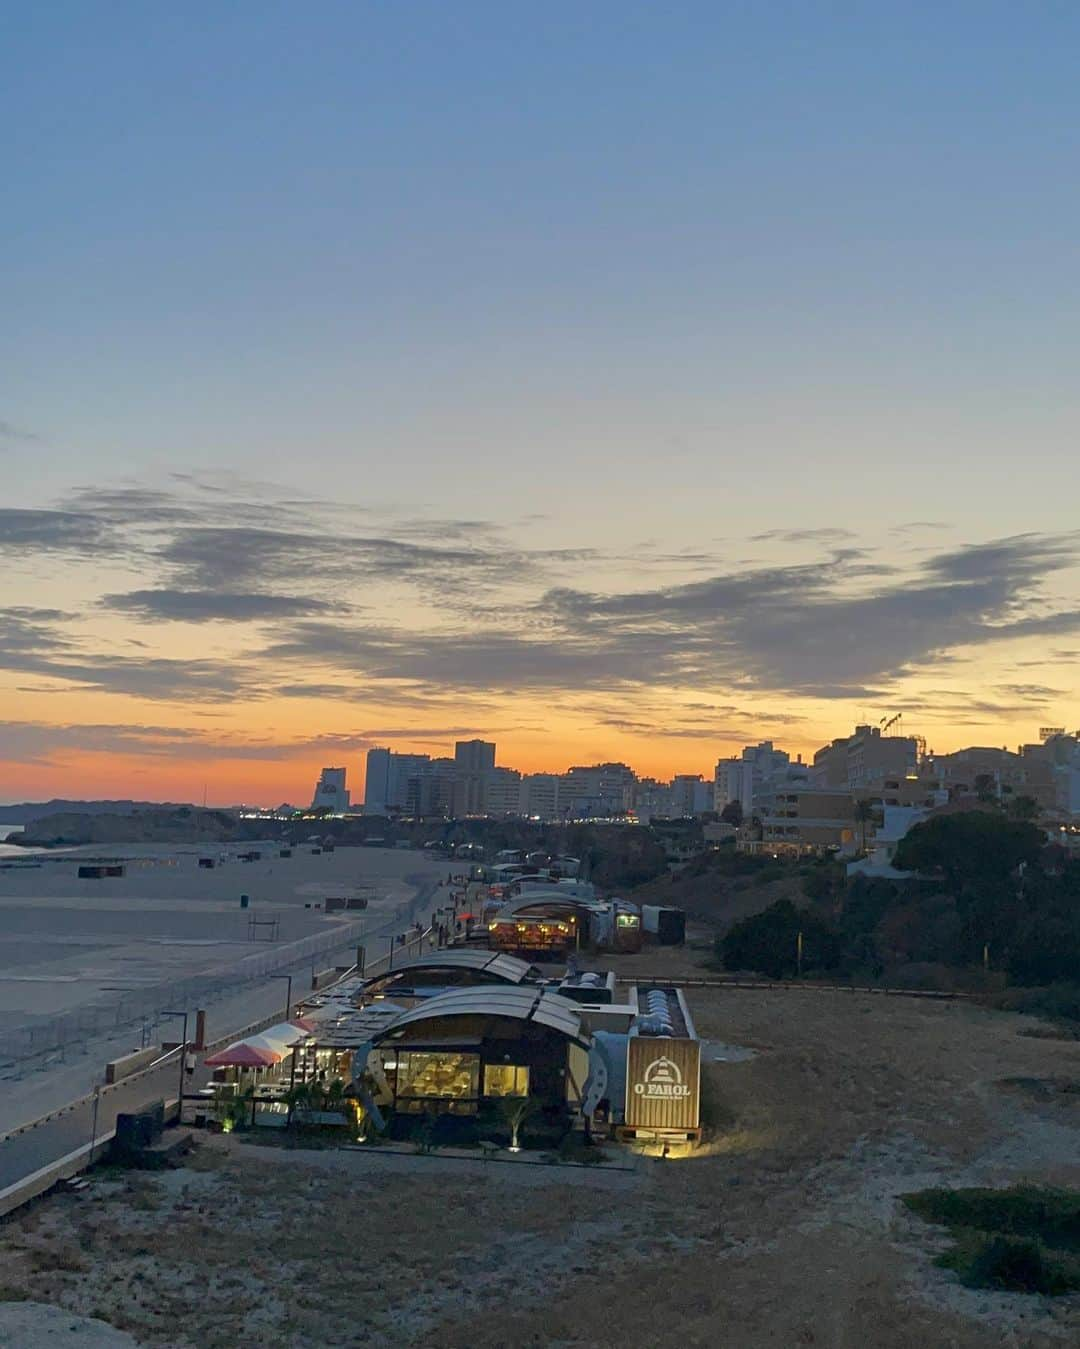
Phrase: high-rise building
[377,781]
[502,792]
[690,795]
[330,792]
[391,780]
[540,796]
[597,790]
[473,761]
[474,756]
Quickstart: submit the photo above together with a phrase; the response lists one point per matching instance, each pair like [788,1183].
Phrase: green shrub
[1043,1213]
[767,942]
[1057,1002]
[1021,1239]
[1013,1265]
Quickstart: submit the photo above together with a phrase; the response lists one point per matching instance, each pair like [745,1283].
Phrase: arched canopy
[547,902]
[494,964]
[526,1005]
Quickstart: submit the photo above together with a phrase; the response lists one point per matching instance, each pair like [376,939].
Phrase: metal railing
[53,1036]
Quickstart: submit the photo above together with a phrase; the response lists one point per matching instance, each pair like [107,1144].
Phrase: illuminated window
[449,1077]
[505,1079]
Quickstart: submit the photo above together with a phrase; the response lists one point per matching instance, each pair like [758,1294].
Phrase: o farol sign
[662,1080]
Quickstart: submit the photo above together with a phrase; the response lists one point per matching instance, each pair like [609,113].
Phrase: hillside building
[864,758]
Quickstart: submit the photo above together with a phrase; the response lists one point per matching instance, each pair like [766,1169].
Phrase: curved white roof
[506,967]
[522,1004]
[540,897]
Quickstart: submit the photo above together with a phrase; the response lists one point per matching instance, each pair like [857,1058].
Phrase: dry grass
[784,1231]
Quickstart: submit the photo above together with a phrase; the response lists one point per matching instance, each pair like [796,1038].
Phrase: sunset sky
[623,381]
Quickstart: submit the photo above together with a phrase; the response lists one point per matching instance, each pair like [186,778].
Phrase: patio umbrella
[244,1054]
[285,1034]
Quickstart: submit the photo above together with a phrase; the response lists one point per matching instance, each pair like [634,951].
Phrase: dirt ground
[783,1231]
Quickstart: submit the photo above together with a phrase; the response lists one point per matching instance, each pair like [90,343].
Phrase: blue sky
[625,275]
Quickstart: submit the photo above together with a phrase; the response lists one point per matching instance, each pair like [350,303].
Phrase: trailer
[663,924]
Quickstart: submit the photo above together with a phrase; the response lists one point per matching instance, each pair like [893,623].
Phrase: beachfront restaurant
[465,1056]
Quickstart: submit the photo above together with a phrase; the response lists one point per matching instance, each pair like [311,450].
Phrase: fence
[23,1044]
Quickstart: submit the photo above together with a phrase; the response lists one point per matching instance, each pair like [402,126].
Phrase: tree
[1044,945]
[732,813]
[969,849]
[824,882]
[986,788]
[768,942]
[1023,808]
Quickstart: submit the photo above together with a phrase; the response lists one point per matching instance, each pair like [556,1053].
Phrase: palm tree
[864,813]
[298,1098]
[334,1095]
[234,1110]
[516,1110]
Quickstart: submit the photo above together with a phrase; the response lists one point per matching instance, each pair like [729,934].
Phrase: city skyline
[612,384]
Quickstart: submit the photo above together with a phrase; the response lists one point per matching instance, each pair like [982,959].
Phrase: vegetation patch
[1058,1002]
[1025,1239]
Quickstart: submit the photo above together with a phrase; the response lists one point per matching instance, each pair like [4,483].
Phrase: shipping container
[663,1069]
[664,924]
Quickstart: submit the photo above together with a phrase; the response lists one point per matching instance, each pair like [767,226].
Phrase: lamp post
[93,1122]
[288,992]
[183,1056]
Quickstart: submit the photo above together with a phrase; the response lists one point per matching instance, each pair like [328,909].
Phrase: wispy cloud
[313,591]
[24,532]
[10,434]
[35,742]
[205,606]
[825,534]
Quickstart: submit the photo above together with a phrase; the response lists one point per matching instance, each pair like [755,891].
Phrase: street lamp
[288,993]
[183,1056]
[93,1124]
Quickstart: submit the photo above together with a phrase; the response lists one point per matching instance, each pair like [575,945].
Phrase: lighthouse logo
[662,1080]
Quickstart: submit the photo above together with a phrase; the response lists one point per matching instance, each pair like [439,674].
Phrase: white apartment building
[502,791]
[690,795]
[391,778]
[757,768]
[597,790]
[540,796]
[330,792]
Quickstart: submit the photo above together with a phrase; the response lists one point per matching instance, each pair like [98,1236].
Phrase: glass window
[506,1079]
[449,1076]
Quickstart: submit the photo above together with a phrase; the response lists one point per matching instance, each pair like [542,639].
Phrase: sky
[614,381]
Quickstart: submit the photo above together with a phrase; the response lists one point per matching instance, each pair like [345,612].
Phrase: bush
[1012,1264]
[1057,1002]
[768,942]
[1043,1213]
[1022,1239]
